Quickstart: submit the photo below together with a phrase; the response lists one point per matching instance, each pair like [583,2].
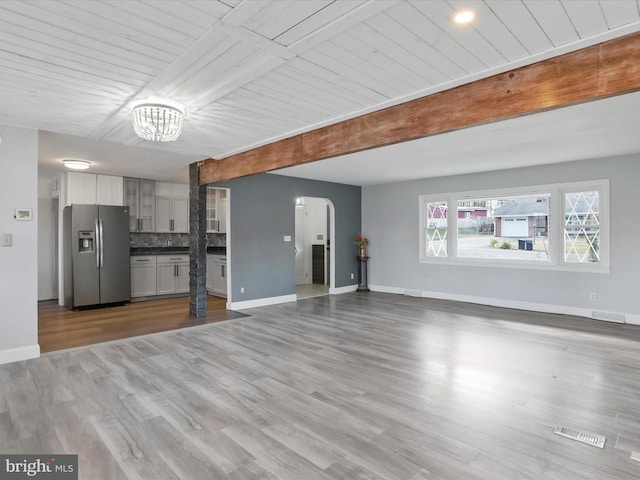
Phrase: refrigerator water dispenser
[85,241]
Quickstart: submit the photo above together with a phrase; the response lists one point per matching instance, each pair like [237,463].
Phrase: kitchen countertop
[173,251]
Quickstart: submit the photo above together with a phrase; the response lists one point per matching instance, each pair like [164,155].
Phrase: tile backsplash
[149,240]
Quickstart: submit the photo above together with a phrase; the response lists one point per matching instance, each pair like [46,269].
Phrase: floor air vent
[608,316]
[413,293]
[588,438]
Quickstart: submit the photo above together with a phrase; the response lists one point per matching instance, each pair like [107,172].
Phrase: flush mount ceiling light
[158,122]
[76,164]
[464,16]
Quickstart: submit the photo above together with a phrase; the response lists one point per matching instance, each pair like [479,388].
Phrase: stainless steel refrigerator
[96,255]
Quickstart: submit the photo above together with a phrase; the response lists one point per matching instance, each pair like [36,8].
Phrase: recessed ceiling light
[76,164]
[464,16]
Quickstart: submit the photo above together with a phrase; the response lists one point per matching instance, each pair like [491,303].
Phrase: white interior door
[302,276]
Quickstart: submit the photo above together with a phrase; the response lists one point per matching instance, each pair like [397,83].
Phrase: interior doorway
[313,235]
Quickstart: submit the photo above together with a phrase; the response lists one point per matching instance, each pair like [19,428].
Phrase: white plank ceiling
[254,71]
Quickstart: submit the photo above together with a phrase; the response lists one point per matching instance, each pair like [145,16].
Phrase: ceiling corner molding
[603,70]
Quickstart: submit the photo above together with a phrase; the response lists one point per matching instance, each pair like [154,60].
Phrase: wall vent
[588,438]
[609,316]
[413,293]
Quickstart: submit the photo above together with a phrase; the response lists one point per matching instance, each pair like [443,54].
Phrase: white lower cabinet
[210,269]
[217,275]
[143,276]
[172,274]
[182,280]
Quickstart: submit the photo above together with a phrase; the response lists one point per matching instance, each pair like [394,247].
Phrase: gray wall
[47,238]
[390,219]
[18,263]
[262,213]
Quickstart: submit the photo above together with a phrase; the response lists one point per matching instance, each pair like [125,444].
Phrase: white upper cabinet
[92,189]
[172,208]
[139,196]
[109,190]
[180,215]
[216,210]
[80,188]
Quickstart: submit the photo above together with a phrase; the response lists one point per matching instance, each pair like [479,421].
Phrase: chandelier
[158,122]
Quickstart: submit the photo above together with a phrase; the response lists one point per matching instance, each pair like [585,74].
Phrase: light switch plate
[7,239]
[287,238]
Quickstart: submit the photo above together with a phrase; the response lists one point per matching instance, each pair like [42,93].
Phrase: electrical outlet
[352,276]
[241,289]
[428,281]
[592,296]
[7,240]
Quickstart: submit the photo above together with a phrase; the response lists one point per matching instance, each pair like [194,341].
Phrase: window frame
[556,259]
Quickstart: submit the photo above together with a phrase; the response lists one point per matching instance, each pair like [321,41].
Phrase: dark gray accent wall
[262,212]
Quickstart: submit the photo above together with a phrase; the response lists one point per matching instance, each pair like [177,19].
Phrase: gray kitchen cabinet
[139,196]
[172,274]
[143,276]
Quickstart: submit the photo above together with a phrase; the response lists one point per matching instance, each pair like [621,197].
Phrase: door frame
[332,241]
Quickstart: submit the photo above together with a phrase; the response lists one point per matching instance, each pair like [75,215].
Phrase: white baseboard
[632,319]
[18,354]
[386,289]
[339,290]
[616,317]
[261,302]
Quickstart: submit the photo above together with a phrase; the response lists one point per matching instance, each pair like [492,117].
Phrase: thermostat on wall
[23,214]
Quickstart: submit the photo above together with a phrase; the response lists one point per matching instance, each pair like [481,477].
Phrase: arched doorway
[314,236]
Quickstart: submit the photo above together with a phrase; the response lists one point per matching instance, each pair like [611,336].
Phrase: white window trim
[556,227]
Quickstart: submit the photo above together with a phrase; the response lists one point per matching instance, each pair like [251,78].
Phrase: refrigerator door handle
[101,246]
[97,244]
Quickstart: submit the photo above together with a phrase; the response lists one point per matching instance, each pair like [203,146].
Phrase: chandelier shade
[158,122]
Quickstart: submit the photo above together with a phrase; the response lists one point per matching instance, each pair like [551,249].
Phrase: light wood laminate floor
[309,290]
[355,386]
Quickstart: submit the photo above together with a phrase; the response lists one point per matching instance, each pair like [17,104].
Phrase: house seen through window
[552,225]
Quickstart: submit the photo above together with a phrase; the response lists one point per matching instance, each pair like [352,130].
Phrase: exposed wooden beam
[603,70]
